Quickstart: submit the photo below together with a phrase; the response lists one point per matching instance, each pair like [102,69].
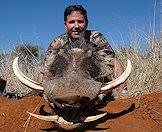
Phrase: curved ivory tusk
[54,118]
[93,118]
[122,78]
[24,79]
[57,119]
[60,120]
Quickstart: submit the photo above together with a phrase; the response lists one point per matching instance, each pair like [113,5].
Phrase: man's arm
[111,60]
[50,55]
[40,78]
[118,67]
[108,53]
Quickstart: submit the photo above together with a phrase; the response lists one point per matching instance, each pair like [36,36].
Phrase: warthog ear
[24,79]
[122,78]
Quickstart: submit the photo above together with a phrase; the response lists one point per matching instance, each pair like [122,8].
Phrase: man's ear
[65,25]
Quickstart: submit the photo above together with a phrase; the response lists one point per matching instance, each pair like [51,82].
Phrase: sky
[40,21]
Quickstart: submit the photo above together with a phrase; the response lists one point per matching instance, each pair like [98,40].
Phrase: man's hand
[121,90]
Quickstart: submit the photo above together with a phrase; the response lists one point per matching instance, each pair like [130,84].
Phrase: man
[76,22]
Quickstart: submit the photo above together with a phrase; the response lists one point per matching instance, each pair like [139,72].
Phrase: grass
[146,75]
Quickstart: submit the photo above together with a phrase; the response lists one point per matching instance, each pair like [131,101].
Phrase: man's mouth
[76,32]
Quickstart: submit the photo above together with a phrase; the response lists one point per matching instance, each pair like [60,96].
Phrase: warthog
[71,83]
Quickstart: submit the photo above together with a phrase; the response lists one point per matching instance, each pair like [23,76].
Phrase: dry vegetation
[146,74]
[29,62]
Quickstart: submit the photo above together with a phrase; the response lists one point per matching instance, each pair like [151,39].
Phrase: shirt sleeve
[105,55]
[105,48]
[51,53]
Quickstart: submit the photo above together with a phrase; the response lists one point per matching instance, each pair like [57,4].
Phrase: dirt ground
[146,116]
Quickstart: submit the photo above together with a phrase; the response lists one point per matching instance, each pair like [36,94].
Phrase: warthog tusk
[54,118]
[122,78]
[59,120]
[24,79]
[94,118]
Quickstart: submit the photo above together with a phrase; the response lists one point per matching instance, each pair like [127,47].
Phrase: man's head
[75,21]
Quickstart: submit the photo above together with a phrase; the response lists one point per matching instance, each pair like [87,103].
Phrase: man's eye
[80,21]
[71,22]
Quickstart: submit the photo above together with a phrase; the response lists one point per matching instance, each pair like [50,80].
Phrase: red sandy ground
[146,117]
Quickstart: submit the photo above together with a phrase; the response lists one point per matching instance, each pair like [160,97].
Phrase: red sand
[146,117]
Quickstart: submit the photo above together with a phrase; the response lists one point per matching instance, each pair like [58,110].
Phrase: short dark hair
[72,8]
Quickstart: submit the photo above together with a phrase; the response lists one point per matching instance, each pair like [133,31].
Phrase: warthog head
[71,80]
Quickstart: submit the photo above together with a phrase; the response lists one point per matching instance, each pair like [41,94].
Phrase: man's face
[75,24]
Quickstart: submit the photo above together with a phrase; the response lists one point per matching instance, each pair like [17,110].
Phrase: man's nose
[76,24]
